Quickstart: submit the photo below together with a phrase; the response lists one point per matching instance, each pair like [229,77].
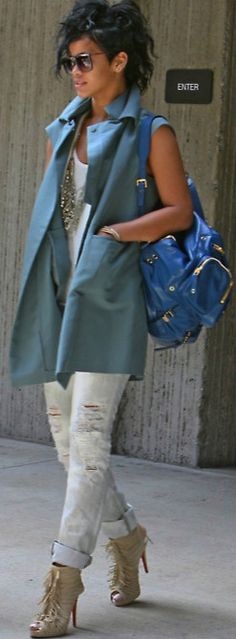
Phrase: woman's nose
[76,71]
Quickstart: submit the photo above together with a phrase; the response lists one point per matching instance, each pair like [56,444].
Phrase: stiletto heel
[126,553]
[144,560]
[73,612]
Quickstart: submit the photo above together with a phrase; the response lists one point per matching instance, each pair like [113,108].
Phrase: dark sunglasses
[83,62]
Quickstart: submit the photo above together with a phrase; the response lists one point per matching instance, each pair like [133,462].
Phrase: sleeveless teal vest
[102,327]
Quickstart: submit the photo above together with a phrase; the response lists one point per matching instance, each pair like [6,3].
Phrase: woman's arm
[48,153]
[165,164]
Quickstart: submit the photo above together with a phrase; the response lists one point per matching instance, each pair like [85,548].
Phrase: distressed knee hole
[89,417]
[93,406]
[54,411]
[53,414]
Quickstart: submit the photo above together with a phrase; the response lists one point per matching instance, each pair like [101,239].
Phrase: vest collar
[126,105]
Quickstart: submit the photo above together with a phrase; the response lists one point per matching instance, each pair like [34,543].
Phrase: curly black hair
[114,27]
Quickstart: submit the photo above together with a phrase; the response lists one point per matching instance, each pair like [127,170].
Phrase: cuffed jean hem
[120,527]
[62,554]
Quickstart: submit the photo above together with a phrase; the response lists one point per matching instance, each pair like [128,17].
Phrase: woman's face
[104,75]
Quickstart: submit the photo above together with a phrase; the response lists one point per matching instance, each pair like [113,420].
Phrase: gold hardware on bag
[153,258]
[142,181]
[187,337]
[219,248]
[199,269]
[168,315]
[227,292]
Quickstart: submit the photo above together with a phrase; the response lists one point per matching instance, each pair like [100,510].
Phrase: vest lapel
[47,199]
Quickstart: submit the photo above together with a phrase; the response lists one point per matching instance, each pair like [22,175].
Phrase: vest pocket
[104,266]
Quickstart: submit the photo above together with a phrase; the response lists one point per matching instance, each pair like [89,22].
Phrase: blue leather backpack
[186,276]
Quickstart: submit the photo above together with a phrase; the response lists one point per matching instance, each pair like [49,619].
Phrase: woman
[81,325]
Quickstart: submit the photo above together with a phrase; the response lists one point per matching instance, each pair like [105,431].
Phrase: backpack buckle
[142,181]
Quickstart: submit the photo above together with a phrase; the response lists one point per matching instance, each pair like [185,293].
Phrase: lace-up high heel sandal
[63,585]
[125,553]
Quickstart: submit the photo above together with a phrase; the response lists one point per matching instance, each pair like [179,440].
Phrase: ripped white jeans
[81,419]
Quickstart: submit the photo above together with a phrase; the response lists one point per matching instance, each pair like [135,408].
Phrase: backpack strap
[144,143]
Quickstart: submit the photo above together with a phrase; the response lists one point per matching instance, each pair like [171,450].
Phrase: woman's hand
[48,153]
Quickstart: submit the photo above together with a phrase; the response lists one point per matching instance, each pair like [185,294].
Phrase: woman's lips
[79,84]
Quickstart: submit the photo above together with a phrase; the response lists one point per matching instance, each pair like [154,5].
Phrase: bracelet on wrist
[110,231]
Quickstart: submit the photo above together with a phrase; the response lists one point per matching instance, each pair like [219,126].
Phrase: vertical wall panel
[217,437]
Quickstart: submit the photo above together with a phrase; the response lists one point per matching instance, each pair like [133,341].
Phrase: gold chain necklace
[71,206]
[68,196]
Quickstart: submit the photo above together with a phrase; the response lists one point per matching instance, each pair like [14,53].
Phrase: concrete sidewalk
[190,591]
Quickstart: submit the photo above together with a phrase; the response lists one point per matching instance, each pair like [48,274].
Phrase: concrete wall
[184,411]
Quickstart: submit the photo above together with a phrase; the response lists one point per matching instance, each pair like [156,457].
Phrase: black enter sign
[189,86]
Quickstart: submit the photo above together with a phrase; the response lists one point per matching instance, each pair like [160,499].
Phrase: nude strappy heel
[126,553]
[63,585]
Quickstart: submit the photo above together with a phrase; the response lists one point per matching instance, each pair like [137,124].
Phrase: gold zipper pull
[218,248]
[227,292]
[168,315]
